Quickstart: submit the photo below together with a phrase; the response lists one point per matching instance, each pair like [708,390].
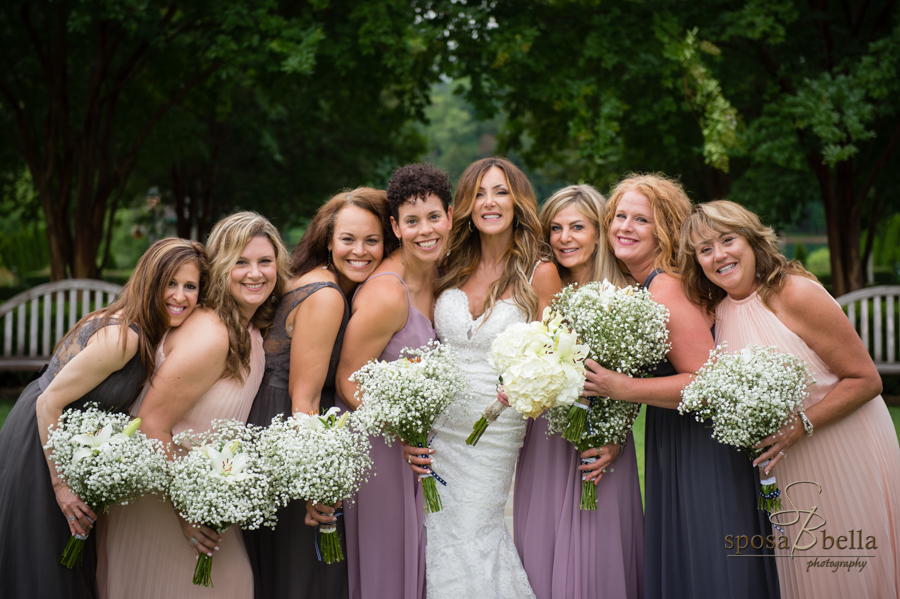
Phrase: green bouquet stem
[71,555]
[429,486]
[588,495]
[330,542]
[490,415]
[203,570]
[576,421]
[769,496]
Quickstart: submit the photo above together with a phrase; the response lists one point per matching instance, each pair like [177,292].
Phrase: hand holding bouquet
[541,366]
[748,395]
[624,329]
[403,399]
[105,460]
[318,458]
[218,483]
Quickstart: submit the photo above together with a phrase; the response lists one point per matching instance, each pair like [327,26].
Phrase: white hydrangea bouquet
[403,399]
[105,460]
[749,395]
[625,330]
[219,483]
[541,365]
[316,458]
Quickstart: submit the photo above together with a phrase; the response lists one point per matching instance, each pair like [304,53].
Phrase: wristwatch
[807,425]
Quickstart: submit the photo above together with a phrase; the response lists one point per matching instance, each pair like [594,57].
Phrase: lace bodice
[470,552]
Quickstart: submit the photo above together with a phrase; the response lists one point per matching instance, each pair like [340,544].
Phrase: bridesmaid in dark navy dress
[697,490]
[105,359]
[341,248]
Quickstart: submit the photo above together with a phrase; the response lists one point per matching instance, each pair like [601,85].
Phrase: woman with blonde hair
[495,276]
[733,269]
[341,248]
[697,491]
[210,368]
[567,552]
[105,359]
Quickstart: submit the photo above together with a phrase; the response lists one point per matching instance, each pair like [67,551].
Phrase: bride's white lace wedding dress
[469,551]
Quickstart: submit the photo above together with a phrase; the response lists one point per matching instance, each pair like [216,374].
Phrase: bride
[494,277]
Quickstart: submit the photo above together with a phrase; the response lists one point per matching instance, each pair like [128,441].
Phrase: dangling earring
[401,252]
[327,264]
[515,222]
[471,226]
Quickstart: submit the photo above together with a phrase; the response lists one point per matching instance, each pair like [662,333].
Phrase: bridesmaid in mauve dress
[103,359]
[385,533]
[209,368]
[697,491]
[342,246]
[842,442]
[567,552]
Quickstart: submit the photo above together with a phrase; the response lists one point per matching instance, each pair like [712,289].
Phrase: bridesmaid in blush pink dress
[385,533]
[209,368]
[840,453]
[569,553]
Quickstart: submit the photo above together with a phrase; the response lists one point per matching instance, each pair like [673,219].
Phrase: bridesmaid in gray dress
[569,553]
[385,527]
[342,246]
[105,359]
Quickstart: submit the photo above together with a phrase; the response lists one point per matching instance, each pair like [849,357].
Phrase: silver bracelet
[807,425]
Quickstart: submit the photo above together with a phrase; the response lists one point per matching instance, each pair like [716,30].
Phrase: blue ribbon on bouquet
[337,513]
[427,467]
[773,495]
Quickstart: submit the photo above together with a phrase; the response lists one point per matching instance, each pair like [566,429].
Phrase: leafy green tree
[774,103]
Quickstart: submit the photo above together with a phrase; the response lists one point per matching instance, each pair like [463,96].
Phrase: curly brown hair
[313,247]
[721,216]
[415,182]
[670,206]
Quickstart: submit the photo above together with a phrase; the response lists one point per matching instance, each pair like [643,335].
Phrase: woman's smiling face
[631,233]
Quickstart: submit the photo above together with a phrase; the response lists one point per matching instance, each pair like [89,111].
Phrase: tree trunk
[842,223]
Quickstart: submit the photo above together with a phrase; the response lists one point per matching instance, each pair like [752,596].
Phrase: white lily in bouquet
[105,460]
[315,458]
[749,395]
[541,365]
[404,398]
[218,483]
[625,330]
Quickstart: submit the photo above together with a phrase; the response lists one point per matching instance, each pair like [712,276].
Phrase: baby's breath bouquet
[403,399]
[624,329]
[317,458]
[541,365]
[218,483]
[749,395]
[105,460]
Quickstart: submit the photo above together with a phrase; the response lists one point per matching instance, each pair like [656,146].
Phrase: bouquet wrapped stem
[769,493]
[330,542]
[429,481]
[203,570]
[491,413]
[588,489]
[71,555]
[576,420]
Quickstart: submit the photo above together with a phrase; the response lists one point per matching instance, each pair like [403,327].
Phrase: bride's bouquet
[749,395]
[541,365]
[316,458]
[403,399]
[624,329]
[218,483]
[105,460]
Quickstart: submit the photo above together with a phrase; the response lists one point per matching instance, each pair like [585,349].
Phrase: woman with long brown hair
[342,247]
[495,275]
[697,490]
[732,267]
[209,368]
[105,358]
[569,553]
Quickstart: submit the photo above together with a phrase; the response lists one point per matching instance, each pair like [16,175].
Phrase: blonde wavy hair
[592,205]
[225,244]
[521,256]
[714,218]
[670,206]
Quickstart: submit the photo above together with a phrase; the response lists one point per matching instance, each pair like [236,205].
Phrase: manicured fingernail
[430,451]
[217,548]
[209,554]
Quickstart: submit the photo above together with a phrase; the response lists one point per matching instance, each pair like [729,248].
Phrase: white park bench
[34,321]
[872,312]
